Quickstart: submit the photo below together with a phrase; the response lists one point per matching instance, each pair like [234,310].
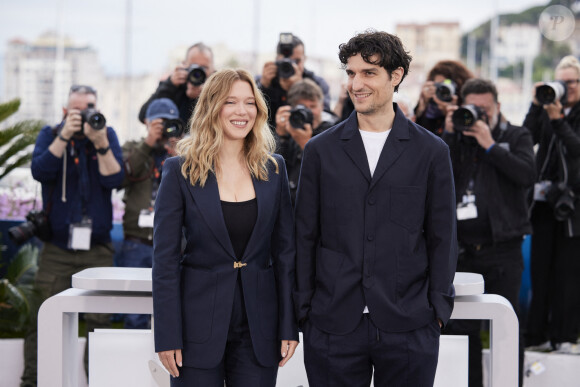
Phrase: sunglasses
[83,89]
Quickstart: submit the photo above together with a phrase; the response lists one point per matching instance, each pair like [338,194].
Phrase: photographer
[298,123]
[278,76]
[78,163]
[444,82]
[493,167]
[143,162]
[185,82]
[553,317]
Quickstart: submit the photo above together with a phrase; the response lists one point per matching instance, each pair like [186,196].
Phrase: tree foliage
[16,141]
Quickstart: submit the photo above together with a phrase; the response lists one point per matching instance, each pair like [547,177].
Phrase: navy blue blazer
[193,290]
[387,242]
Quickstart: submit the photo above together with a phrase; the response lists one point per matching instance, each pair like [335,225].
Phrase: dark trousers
[398,358]
[501,266]
[239,366]
[55,269]
[555,271]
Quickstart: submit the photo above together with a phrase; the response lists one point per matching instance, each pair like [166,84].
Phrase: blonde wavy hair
[567,62]
[200,150]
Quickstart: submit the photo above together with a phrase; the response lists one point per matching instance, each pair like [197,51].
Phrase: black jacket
[292,153]
[567,131]
[167,89]
[507,171]
[276,96]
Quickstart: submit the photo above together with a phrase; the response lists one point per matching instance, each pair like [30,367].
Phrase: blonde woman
[222,304]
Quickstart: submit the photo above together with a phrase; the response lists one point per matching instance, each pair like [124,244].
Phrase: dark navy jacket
[387,242]
[193,290]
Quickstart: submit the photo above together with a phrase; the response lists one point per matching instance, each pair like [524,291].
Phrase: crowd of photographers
[504,189]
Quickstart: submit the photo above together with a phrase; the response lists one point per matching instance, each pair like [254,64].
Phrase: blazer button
[370,237]
[372,201]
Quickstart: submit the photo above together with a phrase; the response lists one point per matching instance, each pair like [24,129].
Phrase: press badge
[467,208]
[80,234]
[540,189]
[146,218]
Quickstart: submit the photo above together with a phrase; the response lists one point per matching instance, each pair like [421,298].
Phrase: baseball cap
[162,108]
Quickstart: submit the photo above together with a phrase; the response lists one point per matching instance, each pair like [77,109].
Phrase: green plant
[15,140]
[18,298]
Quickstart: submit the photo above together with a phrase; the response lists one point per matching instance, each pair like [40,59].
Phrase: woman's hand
[287,350]
[171,360]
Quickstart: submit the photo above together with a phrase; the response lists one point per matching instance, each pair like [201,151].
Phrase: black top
[240,218]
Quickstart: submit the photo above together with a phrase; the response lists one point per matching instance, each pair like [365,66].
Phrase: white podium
[128,290]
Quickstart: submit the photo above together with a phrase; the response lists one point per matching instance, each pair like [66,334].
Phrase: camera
[445,90]
[91,116]
[552,91]
[464,117]
[285,47]
[172,128]
[300,115]
[196,75]
[561,198]
[36,225]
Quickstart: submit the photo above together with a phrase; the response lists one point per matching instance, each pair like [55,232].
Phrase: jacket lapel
[207,200]
[394,146]
[354,147]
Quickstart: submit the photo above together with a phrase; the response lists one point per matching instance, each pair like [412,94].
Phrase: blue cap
[162,108]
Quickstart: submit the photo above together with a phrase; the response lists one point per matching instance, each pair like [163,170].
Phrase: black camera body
[172,128]
[550,92]
[562,199]
[196,75]
[36,225]
[286,47]
[464,117]
[445,90]
[300,115]
[91,116]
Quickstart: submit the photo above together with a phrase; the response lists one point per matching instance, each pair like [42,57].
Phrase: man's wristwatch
[103,151]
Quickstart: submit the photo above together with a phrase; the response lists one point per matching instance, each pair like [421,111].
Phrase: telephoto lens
[550,92]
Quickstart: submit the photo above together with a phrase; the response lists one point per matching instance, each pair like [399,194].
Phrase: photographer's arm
[517,163]
[45,166]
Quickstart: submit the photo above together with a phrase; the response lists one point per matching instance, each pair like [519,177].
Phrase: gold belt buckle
[239,264]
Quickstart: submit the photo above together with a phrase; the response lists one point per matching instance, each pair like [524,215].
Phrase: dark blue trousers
[398,358]
[239,366]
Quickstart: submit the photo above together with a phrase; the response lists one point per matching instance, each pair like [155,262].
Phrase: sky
[158,26]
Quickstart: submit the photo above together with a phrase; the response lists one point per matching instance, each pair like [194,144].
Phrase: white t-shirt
[374,143]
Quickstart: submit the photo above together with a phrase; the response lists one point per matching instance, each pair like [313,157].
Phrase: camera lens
[464,117]
[196,75]
[172,128]
[299,116]
[445,91]
[21,233]
[95,119]
[551,92]
[285,68]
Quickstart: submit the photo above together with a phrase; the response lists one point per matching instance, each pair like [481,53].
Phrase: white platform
[120,357]
[128,290]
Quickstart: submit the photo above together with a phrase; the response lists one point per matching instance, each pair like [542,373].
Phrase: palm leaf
[9,108]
